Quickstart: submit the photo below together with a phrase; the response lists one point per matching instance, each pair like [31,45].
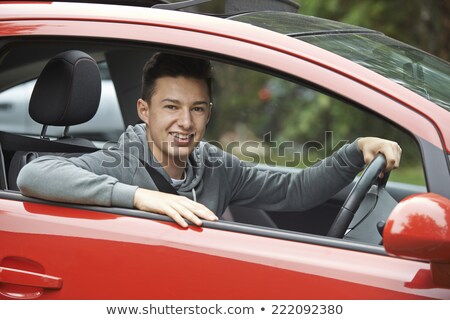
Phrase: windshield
[412,68]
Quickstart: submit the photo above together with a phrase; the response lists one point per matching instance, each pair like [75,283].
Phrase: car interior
[48,107]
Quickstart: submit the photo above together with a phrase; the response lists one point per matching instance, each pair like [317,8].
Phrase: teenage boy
[175,108]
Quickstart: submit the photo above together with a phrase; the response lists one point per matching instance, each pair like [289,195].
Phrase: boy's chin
[182,153]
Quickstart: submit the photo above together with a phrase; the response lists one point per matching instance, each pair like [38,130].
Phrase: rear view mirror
[419,227]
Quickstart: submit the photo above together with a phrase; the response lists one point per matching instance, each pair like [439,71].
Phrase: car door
[54,252]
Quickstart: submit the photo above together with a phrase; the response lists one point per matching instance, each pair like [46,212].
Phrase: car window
[414,69]
[276,122]
[14,115]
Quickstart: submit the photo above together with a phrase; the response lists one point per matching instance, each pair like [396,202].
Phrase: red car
[289,90]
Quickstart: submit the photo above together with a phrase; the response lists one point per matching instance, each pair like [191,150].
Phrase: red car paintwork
[94,253]
[419,226]
[414,214]
[80,254]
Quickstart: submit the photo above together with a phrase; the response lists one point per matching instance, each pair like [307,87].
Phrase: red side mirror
[419,227]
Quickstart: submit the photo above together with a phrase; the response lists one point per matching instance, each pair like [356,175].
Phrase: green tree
[422,23]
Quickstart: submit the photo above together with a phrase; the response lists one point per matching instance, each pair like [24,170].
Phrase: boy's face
[176,117]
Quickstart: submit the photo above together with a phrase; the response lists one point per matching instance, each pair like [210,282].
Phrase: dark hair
[165,64]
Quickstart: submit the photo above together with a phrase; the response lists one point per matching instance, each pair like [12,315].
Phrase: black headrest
[67,91]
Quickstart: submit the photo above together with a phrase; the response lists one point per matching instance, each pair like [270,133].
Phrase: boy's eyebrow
[171,100]
[201,102]
[176,101]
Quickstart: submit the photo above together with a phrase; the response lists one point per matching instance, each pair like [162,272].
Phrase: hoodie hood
[134,141]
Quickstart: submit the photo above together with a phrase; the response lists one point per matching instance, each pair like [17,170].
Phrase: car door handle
[26,278]
[5,106]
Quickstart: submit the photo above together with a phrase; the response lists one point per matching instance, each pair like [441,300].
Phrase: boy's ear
[210,112]
[142,110]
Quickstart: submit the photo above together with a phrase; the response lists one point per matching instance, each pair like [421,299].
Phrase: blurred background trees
[421,23]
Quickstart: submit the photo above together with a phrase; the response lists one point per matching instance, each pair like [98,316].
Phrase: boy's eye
[198,109]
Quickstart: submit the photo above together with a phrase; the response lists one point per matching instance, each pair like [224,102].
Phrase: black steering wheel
[356,196]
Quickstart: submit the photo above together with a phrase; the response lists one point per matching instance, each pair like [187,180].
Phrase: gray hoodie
[111,177]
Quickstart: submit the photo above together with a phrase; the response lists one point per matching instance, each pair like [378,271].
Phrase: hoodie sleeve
[99,178]
[279,191]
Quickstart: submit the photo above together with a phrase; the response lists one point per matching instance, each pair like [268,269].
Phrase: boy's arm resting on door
[99,178]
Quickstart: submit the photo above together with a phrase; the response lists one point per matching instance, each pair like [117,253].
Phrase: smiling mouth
[181,138]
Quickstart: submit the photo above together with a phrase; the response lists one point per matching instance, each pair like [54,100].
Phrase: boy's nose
[185,119]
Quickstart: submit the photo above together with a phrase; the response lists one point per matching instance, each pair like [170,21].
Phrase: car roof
[294,24]
[133,3]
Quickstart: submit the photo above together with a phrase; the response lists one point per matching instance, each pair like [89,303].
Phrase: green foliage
[422,23]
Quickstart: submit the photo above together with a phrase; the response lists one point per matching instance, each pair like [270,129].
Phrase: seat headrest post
[66,132]
[43,132]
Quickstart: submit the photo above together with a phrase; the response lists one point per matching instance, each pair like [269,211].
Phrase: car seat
[66,93]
